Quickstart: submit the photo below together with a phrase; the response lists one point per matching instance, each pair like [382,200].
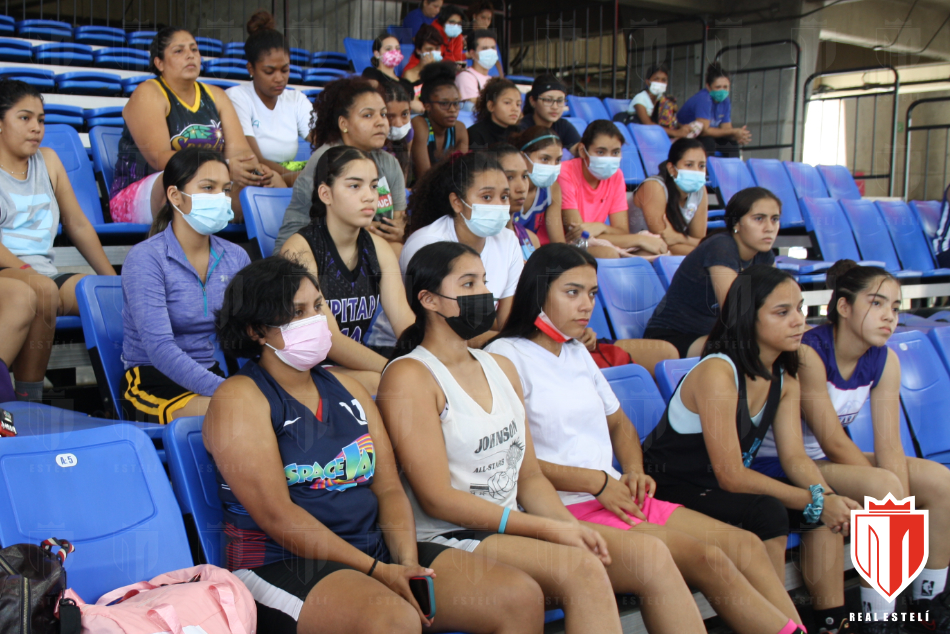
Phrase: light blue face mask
[487,220]
[603,167]
[210,213]
[453,30]
[488,58]
[690,180]
[719,95]
[543,175]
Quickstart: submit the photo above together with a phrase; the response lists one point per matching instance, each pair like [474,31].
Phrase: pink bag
[200,600]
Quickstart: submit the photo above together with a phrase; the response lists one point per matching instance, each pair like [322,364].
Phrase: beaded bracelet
[813,511]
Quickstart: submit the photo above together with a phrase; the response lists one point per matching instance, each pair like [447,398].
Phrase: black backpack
[32,579]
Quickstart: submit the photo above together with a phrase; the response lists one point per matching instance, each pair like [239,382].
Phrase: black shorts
[280,588]
[59,279]
[680,340]
[148,396]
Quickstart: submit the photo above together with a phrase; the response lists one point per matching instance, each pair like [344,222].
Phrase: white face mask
[398,134]
[657,88]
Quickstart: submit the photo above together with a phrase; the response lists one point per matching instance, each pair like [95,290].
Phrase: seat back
[666,266]
[629,291]
[587,108]
[630,162]
[870,232]
[100,35]
[64,140]
[911,244]
[63,53]
[141,39]
[100,309]
[653,144]
[831,228]
[40,78]
[598,322]
[234,50]
[615,106]
[579,124]
[466,118]
[14,50]
[61,113]
[638,396]
[925,392]
[104,141]
[123,519]
[7,25]
[731,175]
[839,182]
[359,52]
[195,485]
[861,431]
[304,151]
[209,47]
[806,181]
[771,174]
[51,30]
[89,83]
[670,372]
[928,215]
[264,209]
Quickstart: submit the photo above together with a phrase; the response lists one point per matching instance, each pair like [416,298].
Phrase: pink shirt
[594,205]
[470,82]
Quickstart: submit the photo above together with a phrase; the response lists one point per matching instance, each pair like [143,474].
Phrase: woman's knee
[880,482]
[19,305]
[519,599]
[396,616]
[47,294]
[766,517]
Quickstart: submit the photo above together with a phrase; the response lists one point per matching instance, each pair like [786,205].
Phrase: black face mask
[476,315]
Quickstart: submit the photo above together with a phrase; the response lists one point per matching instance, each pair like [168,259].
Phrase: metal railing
[855,97]
[649,44]
[942,150]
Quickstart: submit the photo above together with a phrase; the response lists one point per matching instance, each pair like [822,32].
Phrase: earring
[345,131]
[735,229]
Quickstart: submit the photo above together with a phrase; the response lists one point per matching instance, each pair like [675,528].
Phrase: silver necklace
[16,173]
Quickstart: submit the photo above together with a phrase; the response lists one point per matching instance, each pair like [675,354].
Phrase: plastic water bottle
[581,242]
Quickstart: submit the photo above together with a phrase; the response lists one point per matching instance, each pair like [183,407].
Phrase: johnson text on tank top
[329,462]
[677,450]
[29,215]
[198,124]
[484,449]
[352,295]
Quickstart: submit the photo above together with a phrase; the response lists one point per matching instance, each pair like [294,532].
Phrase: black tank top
[669,455]
[352,295]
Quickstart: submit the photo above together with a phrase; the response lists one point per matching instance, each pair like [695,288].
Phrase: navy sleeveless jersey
[329,463]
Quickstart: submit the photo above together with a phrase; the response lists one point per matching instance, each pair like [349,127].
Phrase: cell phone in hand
[423,591]
[6,424]
[388,215]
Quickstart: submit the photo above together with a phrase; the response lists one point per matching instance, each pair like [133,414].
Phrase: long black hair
[846,278]
[428,267]
[333,102]
[742,201]
[673,212]
[330,166]
[158,46]
[180,169]
[734,333]
[263,37]
[541,270]
[12,91]
[492,92]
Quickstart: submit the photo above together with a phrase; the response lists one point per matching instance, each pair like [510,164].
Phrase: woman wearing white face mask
[653,106]
[673,203]
[542,149]
[399,113]
[172,285]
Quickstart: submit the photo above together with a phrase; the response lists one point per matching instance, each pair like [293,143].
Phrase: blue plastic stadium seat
[100,307]
[925,393]
[234,50]
[321,76]
[304,151]
[358,52]
[598,322]
[928,214]
[99,35]
[89,83]
[223,84]
[730,175]
[861,431]
[296,74]
[466,118]
[141,39]
[123,520]
[805,180]
[50,30]
[579,124]
[665,267]
[40,78]
[588,108]
[300,56]
[104,142]
[832,231]
[630,163]
[871,234]
[111,116]
[61,113]
[654,146]
[209,47]
[908,237]
[129,84]
[407,51]
[14,50]
[771,174]
[629,291]
[615,106]
[225,68]
[333,59]
[264,209]
[839,181]
[122,58]
[63,54]
[638,396]
[7,25]
[64,140]
[670,372]
[520,79]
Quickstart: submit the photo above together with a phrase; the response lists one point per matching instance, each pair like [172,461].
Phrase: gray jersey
[29,215]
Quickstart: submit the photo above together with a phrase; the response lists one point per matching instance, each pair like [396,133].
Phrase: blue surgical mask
[719,95]
[543,175]
[603,167]
[488,58]
[436,55]
[210,213]
[690,180]
[487,220]
[453,30]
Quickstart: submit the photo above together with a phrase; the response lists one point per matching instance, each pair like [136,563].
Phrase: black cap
[545,83]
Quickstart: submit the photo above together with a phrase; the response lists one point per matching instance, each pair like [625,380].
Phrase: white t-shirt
[641,99]
[567,400]
[276,130]
[501,256]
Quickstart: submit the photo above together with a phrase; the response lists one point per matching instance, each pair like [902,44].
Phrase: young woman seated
[652,106]
[543,151]
[399,113]
[438,134]
[497,112]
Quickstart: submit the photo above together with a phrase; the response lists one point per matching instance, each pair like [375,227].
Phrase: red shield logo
[889,543]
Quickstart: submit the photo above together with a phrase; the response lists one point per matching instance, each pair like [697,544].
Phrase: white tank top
[485,450]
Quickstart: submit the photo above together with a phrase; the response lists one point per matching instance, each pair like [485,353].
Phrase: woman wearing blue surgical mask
[673,203]
[449,24]
[172,286]
[483,51]
[542,149]
[712,109]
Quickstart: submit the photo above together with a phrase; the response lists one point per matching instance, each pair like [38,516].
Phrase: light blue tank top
[29,215]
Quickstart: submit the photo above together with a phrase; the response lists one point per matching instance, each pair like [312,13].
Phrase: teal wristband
[504,520]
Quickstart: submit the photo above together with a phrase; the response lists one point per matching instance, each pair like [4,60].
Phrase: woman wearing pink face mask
[304,518]
[387,56]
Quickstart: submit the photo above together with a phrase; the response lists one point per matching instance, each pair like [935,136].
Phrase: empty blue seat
[615,106]
[928,214]
[861,431]
[99,35]
[630,163]
[40,78]
[730,175]
[225,68]
[129,84]
[123,58]
[587,108]
[233,50]
[296,74]
[123,520]
[871,234]
[100,308]
[908,237]
[772,175]
[665,267]
[63,54]
[111,116]
[264,209]
[638,396]
[839,181]
[832,231]
[209,47]
[300,56]
[61,113]
[104,142]
[7,25]
[579,124]
[339,61]
[321,76]
[13,50]
[925,393]
[358,52]
[51,30]
[141,39]
[670,372]
[806,181]
[223,84]
[654,146]
[89,83]
[629,291]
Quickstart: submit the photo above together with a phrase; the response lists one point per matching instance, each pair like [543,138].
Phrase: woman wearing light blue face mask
[542,149]
[673,203]
[172,285]
[449,24]
[483,51]
[712,108]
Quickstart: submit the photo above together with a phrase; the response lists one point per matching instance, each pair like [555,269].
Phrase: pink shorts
[656,512]
[134,203]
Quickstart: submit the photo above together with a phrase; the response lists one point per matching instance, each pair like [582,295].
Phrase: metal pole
[890,177]
[613,80]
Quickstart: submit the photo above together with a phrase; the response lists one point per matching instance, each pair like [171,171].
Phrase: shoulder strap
[750,444]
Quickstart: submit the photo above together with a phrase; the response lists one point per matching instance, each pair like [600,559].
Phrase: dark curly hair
[435,76]
[333,102]
[491,92]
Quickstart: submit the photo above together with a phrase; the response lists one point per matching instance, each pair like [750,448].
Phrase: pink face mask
[543,323]
[306,342]
[392,58]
